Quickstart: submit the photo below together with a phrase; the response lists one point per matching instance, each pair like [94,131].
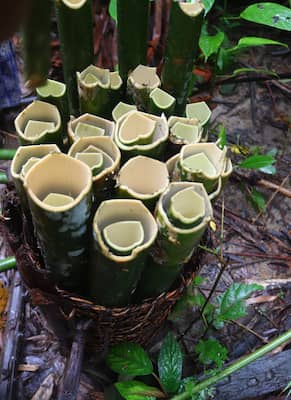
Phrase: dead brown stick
[278,188]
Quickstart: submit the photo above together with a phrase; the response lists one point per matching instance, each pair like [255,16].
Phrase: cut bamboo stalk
[55,93]
[99,90]
[150,187]
[75,23]
[115,269]
[120,109]
[88,125]
[133,23]
[141,140]
[19,166]
[36,42]
[181,49]
[39,123]
[202,112]
[65,223]
[161,102]
[140,83]
[201,162]
[104,179]
[184,131]
[182,214]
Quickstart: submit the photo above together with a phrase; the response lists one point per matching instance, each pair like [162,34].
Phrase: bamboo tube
[104,176]
[133,23]
[99,90]
[123,231]
[161,102]
[201,162]
[140,83]
[75,23]
[184,131]
[120,109]
[181,48]
[19,166]
[59,195]
[139,133]
[39,123]
[150,187]
[55,93]
[88,125]
[182,214]
[202,112]
[36,42]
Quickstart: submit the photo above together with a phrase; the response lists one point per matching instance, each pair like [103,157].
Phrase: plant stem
[3,178]
[7,263]
[133,25]
[243,362]
[7,154]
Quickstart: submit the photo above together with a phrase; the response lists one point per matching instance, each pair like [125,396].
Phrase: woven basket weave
[137,323]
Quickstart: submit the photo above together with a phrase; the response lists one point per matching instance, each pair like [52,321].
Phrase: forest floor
[255,246]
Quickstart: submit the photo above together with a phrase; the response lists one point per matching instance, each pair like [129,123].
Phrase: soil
[255,245]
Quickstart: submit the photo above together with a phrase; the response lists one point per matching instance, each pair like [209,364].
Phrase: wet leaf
[257,161]
[240,149]
[135,390]
[129,359]
[213,226]
[257,199]
[222,137]
[170,364]
[210,44]
[271,14]
[231,304]
[211,351]
[113,9]
[3,303]
[252,41]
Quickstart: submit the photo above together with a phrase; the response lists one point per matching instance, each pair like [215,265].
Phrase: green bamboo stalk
[60,208]
[181,49]
[7,154]
[55,93]
[243,362]
[36,42]
[75,22]
[133,22]
[7,263]
[123,232]
[161,102]
[3,178]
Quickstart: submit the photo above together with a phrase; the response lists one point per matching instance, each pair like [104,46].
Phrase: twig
[256,78]
[246,328]
[258,255]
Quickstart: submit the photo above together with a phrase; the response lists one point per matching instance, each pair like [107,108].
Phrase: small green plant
[130,360]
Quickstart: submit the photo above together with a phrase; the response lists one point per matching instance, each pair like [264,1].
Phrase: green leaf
[257,161]
[256,70]
[269,169]
[270,14]
[222,136]
[210,44]
[135,390]
[113,9]
[252,41]
[170,364]
[257,199]
[208,4]
[129,359]
[211,351]
[231,304]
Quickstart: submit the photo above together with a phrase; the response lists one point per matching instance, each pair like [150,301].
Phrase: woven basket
[136,323]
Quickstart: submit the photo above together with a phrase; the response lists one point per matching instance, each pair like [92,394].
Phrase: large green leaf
[170,364]
[252,41]
[257,161]
[210,44]
[211,351]
[135,390]
[271,14]
[129,359]
[231,304]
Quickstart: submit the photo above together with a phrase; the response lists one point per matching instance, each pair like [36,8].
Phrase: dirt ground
[256,245]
